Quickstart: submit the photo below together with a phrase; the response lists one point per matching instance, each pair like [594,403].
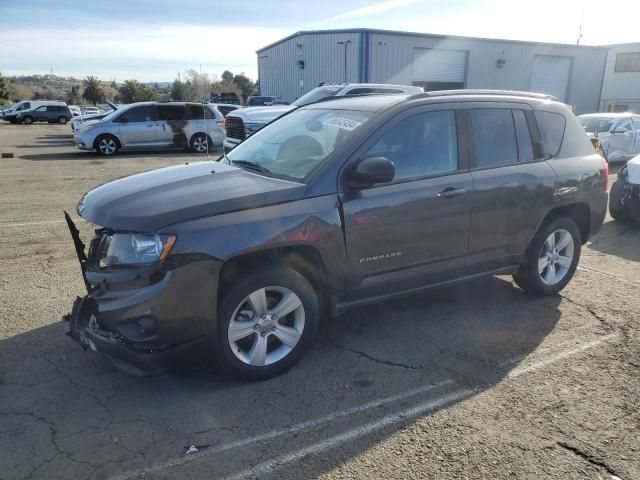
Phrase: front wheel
[616,209]
[107,145]
[266,324]
[551,259]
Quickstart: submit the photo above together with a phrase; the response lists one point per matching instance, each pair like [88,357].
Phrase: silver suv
[244,122]
[148,125]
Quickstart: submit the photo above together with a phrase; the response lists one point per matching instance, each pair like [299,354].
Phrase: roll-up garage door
[550,74]
[435,69]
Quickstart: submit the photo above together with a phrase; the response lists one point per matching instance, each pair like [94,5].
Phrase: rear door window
[494,137]
[525,146]
[171,112]
[551,127]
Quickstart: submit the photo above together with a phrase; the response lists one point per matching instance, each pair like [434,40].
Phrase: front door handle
[451,192]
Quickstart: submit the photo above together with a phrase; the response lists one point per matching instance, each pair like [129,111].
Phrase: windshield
[316,95]
[596,124]
[298,143]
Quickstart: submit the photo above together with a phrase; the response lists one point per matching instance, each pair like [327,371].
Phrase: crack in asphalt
[589,458]
[368,356]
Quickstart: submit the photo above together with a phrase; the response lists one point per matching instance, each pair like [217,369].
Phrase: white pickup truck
[244,122]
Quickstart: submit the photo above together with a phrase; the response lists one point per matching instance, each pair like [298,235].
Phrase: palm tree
[93,91]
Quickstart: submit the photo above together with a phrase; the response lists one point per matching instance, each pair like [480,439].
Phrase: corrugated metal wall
[324,61]
[391,58]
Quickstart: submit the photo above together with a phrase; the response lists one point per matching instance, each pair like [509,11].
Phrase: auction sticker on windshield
[343,123]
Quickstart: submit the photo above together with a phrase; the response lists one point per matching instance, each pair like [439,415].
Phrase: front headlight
[135,249]
[251,128]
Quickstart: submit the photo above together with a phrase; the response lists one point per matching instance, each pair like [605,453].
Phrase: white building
[621,87]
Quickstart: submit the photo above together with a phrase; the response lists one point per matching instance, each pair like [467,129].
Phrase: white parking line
[277,462]
[300,427]
[270,465]
[521,370]
[26,224]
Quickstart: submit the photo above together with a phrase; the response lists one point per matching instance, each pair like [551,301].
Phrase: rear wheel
[551,259]
[107,145]
[200,143]
[266,323]
[27,120]
[62,120]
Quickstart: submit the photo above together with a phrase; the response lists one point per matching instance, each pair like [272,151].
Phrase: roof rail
[506,93]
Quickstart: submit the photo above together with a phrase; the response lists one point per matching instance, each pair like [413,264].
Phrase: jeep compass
[335,205]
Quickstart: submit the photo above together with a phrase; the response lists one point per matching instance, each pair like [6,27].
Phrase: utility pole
[580,29]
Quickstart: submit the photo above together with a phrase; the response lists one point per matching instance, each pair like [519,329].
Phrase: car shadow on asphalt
[620,239]
[472,335]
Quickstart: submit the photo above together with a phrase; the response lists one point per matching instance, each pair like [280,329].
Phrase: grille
[234,127]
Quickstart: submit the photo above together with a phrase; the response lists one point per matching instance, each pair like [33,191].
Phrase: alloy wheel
[200,144]
[107,146]
[556,257]
[266,326]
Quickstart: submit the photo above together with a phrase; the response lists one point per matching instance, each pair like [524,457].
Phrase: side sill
[340,307]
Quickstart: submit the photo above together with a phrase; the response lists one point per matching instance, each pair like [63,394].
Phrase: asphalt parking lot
[474,381]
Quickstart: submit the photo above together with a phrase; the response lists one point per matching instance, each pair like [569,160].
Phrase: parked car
[618,133]
[261,101]
[335,205]
[11,113]
[52,113]
[624,199]
[89,110]
[91,118]
[225,108]
[75,110]
[243,123]
[149,125]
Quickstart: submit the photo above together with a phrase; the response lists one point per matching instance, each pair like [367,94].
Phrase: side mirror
[370,171]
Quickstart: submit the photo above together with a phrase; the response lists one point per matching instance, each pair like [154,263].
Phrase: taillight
[220,122]
[604,171]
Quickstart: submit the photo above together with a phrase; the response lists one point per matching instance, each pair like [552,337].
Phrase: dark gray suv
[334,205]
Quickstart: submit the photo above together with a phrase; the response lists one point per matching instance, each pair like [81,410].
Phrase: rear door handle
[451,192]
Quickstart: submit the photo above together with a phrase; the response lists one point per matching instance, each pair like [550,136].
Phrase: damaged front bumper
[149,316]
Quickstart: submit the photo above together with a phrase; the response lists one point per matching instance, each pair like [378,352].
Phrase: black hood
[148,201]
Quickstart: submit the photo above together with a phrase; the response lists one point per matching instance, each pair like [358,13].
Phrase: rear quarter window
[551,127]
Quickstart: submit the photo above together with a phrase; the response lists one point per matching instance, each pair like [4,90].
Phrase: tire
[550,277]
[106,145]
[27,120]
[200,143]
[615,207]
[240,355]
[62,120]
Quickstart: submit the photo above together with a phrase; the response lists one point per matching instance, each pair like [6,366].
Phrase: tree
[227,76]
[133,91]
[246,86]
[200,85]
[73,95]
[181,91]
[93,91]
[5,90]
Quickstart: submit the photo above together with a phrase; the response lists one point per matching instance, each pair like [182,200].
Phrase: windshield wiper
[252,165]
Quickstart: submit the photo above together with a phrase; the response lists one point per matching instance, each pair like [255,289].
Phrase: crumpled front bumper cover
[84,329]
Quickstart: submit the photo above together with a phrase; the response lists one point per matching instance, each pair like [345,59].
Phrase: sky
[154,40]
